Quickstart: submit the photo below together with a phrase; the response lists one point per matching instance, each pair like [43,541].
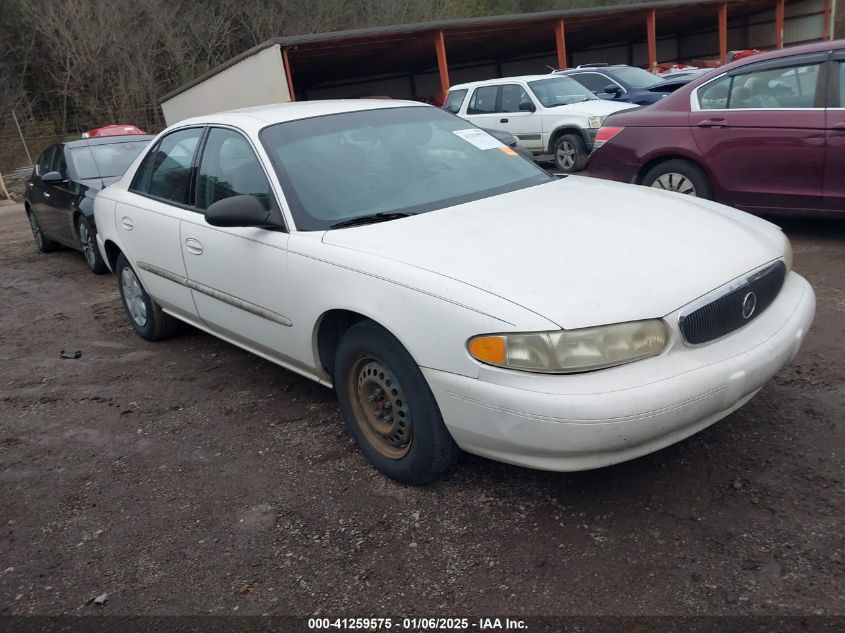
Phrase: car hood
[578,251]
[593,107]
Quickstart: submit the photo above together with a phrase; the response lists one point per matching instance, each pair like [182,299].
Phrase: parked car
[455,296]
[620,83]
[113,130]
[59,195]
[765,134]
[547,115]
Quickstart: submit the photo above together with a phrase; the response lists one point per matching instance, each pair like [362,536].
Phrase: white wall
[256,80]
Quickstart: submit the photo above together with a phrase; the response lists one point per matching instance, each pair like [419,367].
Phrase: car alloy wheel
[380,407]
[133,296]
[674,181]
[88,246]
[566,154]
[36,231]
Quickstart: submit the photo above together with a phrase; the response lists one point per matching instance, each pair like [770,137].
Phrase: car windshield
[560,91]
[407,160]
[637,77]
[110,160]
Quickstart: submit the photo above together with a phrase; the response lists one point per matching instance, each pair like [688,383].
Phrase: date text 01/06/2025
[417,624]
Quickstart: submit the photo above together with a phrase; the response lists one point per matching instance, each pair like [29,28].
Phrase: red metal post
[651,30]
[723,33]
[826,21]
[779,10]
[288,75]
[560,42]
[442,65]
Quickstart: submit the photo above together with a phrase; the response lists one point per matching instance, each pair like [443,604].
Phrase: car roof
[500,80]
[109,140]
[257,117]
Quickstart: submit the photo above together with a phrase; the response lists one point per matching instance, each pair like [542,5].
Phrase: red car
[112,130]
[765,134]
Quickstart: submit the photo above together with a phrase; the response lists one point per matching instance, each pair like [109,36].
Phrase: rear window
[455,100]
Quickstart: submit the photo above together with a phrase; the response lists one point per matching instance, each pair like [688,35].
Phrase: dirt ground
[190,477]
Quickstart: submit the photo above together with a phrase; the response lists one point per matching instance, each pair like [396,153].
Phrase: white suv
[547,115]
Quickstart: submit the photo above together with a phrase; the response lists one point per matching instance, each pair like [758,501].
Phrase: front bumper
[600,418]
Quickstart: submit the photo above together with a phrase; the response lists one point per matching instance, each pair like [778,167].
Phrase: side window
[454,101]
[793,87]
[59,162]
[483,100]
[166,171]
[512,96]
[229,168]
[594,82]
[714,96]
[45,161]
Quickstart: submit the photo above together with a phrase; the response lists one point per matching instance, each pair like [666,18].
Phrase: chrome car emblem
[749,303]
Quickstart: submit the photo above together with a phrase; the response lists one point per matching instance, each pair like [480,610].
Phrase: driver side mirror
[527,106]
[613,89]
[242,210]
[53,178]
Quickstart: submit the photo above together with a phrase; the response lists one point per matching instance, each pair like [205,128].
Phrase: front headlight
[571,351]
[595,121]
[787,253]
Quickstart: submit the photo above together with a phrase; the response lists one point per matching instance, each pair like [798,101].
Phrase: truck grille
[735,307]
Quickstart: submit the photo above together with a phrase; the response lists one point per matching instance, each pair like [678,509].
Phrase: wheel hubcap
[566,153]
[36,230]
[87,244]
[133,297]
[380,407]
[674,181]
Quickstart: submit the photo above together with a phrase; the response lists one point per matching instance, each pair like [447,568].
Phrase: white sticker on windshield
[479,138]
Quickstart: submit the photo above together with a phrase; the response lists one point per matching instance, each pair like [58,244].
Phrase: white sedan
[454,294]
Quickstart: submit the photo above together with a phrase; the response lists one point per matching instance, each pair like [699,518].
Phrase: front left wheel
[389,408]
[88,241]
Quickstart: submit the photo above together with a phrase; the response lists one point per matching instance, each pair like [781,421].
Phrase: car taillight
[605,134]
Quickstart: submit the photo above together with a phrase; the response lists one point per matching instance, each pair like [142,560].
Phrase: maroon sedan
[765,134]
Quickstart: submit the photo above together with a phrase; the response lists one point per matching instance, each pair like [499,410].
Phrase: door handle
[46,195]
[503,120]
[127,223]
[839,126]
[717,122]
[193,246]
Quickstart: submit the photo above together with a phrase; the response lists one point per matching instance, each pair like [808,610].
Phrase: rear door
[238,275]
[761,132]
[524,124]
[148,219]
[834,170]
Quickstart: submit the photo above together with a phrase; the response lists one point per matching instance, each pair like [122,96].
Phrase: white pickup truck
[547,114]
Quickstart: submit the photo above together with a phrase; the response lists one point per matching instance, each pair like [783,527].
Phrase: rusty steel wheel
[389,408]
[380,407]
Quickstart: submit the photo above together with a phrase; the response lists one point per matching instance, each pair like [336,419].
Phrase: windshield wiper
[372,218]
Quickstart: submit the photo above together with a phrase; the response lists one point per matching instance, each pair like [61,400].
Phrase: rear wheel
[680,176]
[570,153]
[145,315]
[389,408]
[88,241]
[44,243]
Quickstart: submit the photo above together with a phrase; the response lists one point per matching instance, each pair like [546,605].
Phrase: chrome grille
[736,306]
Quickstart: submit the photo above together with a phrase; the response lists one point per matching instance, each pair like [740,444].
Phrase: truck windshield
[388,162]
[560,91]
[637,77]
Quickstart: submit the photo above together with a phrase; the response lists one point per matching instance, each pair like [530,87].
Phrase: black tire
[155,325]
[570,153]
[679,175]
[87,235]
[43,243]
[419,450]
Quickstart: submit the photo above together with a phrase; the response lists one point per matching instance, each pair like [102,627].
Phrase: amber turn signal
[488,349]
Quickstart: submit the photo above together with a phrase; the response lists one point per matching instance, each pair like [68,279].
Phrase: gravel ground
[190,477]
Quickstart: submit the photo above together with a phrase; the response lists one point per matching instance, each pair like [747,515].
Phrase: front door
[238,275]
[515,117]
[834,170]
[58,201]
[762,133]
